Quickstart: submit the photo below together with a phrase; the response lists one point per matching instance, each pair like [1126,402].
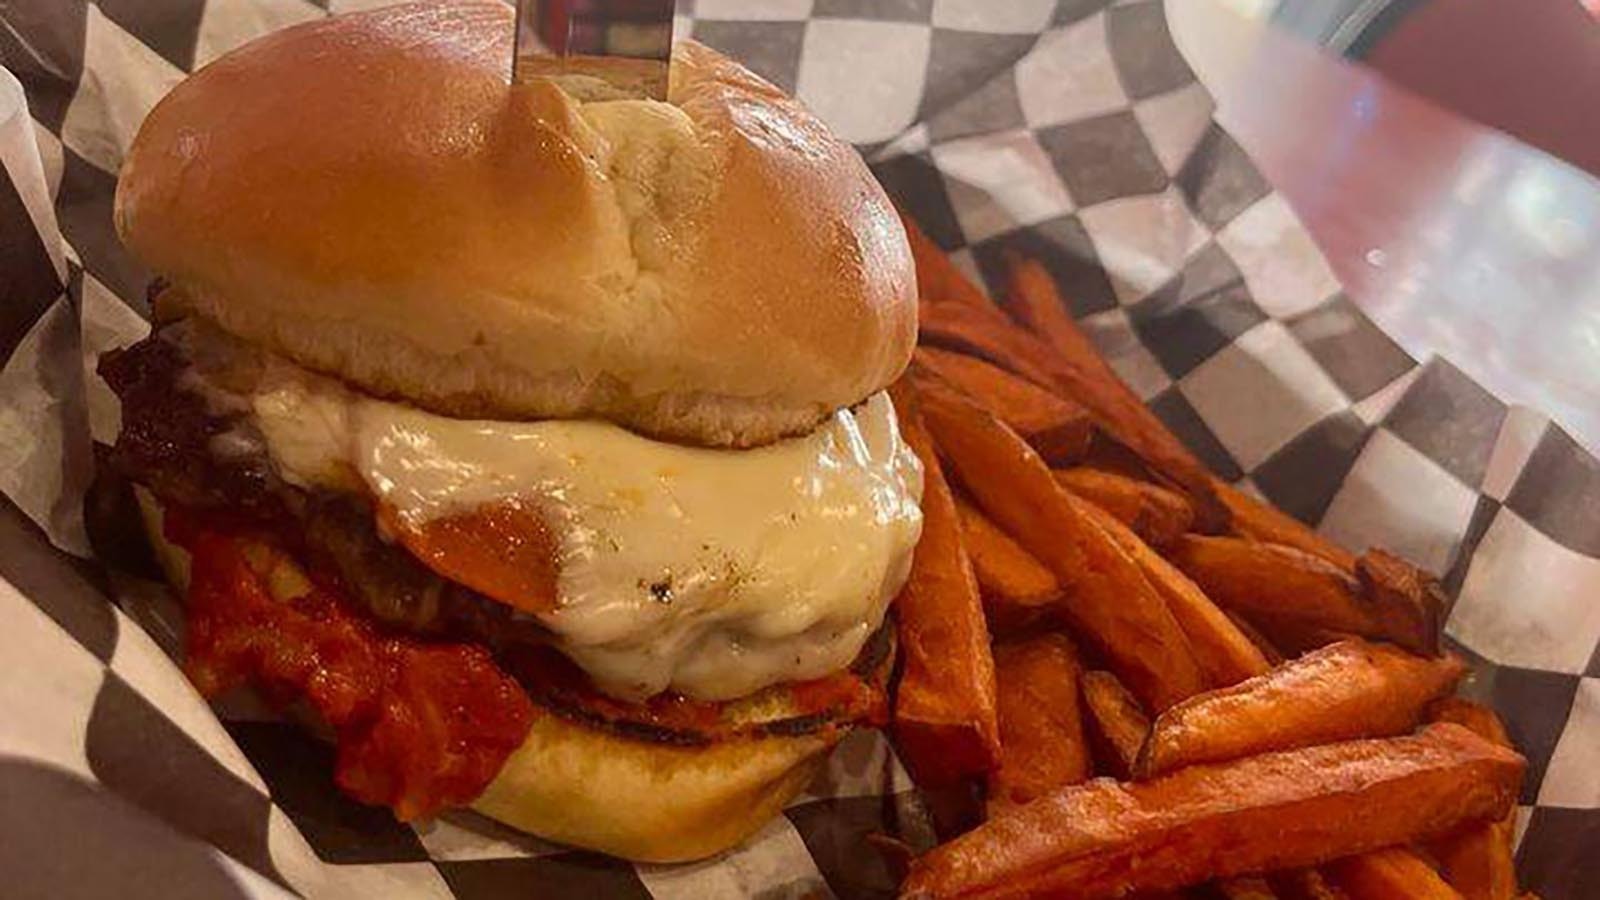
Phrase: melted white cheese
[710,572]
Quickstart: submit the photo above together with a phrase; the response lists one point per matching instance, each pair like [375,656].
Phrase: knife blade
[624,45]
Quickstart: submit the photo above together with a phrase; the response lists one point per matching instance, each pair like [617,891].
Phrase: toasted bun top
[369,196]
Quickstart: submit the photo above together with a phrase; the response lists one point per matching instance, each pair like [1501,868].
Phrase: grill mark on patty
[645,732]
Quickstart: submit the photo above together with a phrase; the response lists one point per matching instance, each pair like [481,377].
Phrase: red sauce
[420,726]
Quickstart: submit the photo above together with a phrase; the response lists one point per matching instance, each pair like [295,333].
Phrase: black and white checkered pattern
[1070,129]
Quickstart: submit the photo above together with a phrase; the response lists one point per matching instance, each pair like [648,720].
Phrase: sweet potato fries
[1278,810]
[1286,677]
[1111,602]
[1041,728]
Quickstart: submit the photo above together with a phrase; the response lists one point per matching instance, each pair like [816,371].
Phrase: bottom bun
[633,799]
[643,801]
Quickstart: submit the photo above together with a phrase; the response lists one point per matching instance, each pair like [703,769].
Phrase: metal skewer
[625,43]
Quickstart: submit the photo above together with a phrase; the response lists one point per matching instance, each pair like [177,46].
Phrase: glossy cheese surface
[706,571]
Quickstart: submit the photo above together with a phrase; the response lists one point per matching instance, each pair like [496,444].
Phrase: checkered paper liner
[1072,130]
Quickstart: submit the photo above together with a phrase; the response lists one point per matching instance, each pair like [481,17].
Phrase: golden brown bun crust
[641,801]
[369,196]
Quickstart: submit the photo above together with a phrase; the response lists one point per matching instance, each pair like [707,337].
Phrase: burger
[528,441]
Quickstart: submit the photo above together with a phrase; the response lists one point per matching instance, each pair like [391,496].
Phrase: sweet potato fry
[1274,585]
[944,722]
[1018,591]
[1057,428]
[1115,720]
[1391,874]
[1041,729]
[937,276]
[1258,521]
[1273,581]
[1478,862]
[1086,377]
[1344,691]
[1245,887]
[1278,810]
[1109,601]
[1406,597]
[1155,514]
[1225,654]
